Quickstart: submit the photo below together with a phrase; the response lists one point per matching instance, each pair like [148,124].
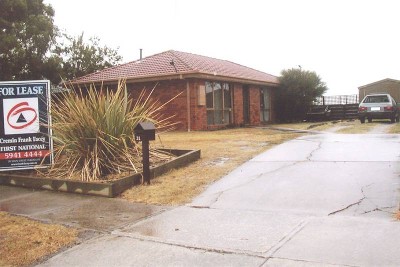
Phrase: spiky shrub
[93,131]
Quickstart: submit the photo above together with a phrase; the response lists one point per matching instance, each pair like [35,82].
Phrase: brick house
[214,93]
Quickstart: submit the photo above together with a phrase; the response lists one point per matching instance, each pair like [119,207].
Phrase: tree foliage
[298,89]
[26,34]
[32,47]
[79,58]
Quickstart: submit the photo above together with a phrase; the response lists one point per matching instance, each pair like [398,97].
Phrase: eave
[180,76]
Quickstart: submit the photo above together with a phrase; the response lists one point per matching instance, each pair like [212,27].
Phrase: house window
[218,102]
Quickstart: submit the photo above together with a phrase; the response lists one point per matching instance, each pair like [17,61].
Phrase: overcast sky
[348,43]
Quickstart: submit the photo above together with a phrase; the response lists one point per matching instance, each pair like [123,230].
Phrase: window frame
[222,107]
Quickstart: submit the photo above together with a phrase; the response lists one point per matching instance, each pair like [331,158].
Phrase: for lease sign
[25,133]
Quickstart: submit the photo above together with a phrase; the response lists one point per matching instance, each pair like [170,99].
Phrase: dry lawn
[395,129]
[344,127]
[221,152]
[24,241]
[315,126]
[397,215]
[356,127]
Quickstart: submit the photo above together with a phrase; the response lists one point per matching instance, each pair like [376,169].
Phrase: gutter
[180,76]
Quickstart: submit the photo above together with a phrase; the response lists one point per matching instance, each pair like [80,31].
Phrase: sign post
[25,133]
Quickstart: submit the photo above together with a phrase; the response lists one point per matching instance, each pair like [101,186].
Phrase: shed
[389,86]
[214,93]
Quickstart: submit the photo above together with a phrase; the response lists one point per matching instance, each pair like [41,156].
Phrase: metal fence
[336,100]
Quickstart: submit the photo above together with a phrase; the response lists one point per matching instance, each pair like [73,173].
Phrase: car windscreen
[376,99]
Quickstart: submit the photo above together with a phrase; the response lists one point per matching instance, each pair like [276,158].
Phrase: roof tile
[161,65]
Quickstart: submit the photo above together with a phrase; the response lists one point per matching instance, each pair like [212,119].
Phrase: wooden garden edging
[105,189]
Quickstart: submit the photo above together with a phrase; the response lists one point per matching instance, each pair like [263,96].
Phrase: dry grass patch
[24,241]
[344,127]
[221,152]
[318,126]
[397,215]
[395,129]
[356,127]
[349,126]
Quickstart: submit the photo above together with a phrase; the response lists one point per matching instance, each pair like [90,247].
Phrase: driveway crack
[313,151]
[380,209]
[349,206]
[352,204]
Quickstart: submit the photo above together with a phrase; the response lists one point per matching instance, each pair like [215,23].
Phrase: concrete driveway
[320,200]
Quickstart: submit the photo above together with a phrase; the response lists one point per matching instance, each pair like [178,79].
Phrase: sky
[348,43]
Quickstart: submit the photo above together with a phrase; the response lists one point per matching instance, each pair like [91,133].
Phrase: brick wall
[238,105]
[198,113]
[165,90]
[255,108]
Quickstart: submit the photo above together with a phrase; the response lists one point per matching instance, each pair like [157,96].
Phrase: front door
[265,105]
[246,105]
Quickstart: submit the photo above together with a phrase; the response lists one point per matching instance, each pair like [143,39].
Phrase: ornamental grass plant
[93,131]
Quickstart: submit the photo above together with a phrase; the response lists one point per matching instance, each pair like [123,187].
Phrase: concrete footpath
[319,200]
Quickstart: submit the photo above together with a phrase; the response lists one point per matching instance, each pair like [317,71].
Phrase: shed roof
[175,64]
[381,81]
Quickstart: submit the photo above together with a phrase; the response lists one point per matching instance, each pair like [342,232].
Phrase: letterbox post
[146,161]
[144,132]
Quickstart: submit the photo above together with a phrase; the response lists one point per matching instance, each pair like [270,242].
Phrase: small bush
[93,131]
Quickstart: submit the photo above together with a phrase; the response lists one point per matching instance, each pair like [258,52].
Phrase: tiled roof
[174,62]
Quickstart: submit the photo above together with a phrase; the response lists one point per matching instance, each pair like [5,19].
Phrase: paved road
[319,200]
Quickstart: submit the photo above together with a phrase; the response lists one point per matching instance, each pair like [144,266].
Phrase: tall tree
[26,34]
[298,89]
[32,47]
[80,58]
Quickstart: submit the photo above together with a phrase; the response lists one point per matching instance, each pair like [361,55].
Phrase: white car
[378,106]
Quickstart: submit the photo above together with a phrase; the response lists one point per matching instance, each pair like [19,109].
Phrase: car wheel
[362,120]
[370,120]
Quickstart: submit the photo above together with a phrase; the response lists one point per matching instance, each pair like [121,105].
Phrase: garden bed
[104,188]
